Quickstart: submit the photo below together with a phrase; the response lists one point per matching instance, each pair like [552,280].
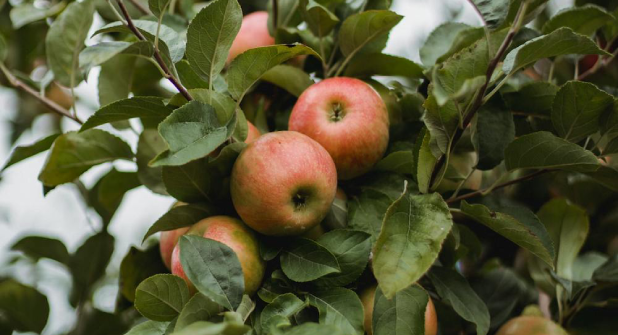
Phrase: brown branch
[139,7]
[499,186]
[44,100]
[157,54]
[478,100]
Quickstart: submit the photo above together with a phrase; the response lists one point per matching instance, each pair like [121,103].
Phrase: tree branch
[275,13]
[478,100]
[157,55]
[499,186]
[44,100]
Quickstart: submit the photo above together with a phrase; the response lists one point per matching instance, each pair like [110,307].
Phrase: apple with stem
[348,118]
[236,235]
[283,183]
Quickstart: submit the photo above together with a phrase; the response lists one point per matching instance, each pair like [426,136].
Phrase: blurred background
[62,214]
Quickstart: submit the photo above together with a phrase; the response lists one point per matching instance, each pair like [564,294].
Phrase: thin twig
[139,7]
[47,102]
[499,186]
[275,13]
[478,101]
[156,54]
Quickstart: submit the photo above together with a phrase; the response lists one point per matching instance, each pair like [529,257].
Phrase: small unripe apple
[283,183]
[253,34]
[348,118]
[236,235]
[367,297]
[531,325]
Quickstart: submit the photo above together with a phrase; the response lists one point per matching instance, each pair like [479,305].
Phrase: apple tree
[322,185]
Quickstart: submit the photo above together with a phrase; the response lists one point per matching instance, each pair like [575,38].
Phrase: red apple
[348,118]
[283,183]
[233,233]
[531,325]
[168,241]
[367,297]
[253,133]
[253,34]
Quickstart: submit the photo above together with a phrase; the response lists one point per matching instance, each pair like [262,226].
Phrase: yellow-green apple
[348,118]
[367,297]
[531,325]
[283,183]
[236,235]
[253,34]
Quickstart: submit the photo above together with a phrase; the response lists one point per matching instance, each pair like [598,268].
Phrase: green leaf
[493,12]
[210,36]
[567,225]
[149,145]
[351,249]
[366,31]
[179,217]
[290,78]
[424,161]
[39,247]
[23,152]
[27,13]
[606,176]
[440,41]
[278,313]
[305,260]
[543,150]
[148,108]
[249,66]
[413,230]
[192,131]
[23,307]
[583,20]
[562,41]
[116,80]
[65,39]
[608,272]
[107,194]
[189,78]
[74,153]
[223,103]
[339,307]
[493,131]
[198,308]
[209,328]
[310,328]
[577,108]
[372,64]
[536,97]
[136,266]
[214,269]
[161,297]
[398,162]
[100,53]
[454,289]
[320,20]
[367,212]
[88,264]
[404,314]
[158,7]
[149,328]
[519,225]
[462,40]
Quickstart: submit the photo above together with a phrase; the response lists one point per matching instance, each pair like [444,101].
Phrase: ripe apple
[531,325]
[168,241]
[253,133]
[348,118]
[283,183]
[367,297]
[233,233]
[253,34]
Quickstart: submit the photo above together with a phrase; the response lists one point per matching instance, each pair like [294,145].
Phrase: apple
[531,325]
[367,297]
[253,34]
[168,241]
[253,133]
[236,235]
[348,118]
[283,183]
